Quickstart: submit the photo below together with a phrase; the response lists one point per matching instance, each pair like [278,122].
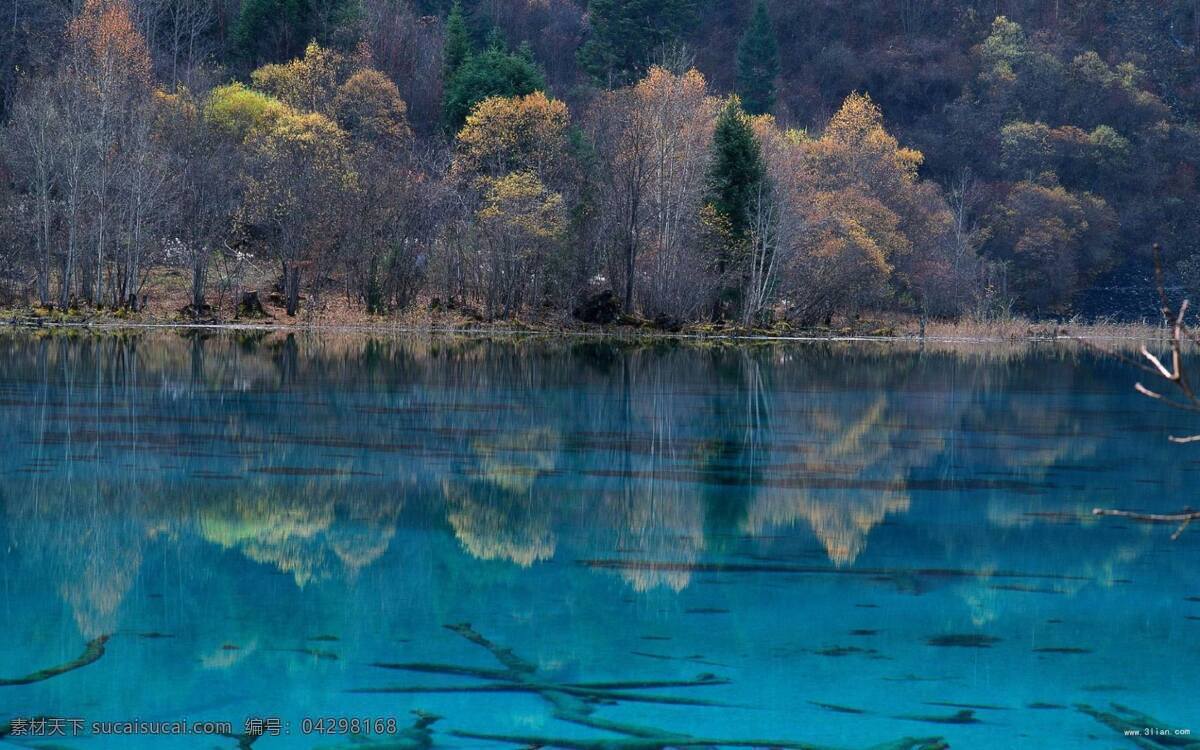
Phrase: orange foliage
[105,33]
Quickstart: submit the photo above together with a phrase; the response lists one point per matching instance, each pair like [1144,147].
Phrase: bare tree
[621,133]
[34,140]
[1182,393]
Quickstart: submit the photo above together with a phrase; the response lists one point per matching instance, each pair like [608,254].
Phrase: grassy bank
[422,319]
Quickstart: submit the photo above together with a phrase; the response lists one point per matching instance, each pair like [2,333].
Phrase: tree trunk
[630,251]
[291,285]
[198,273]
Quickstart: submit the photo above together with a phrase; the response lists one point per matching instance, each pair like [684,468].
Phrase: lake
[389,542]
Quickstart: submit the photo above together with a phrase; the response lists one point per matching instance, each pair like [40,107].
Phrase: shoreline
[1052,333]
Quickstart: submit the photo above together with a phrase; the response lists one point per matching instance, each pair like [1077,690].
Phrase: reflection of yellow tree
[663,523]
[88,539]
[501,515]
[271,531]
[493,524]
[513,461]
[303,533]
[365,535]
[840,521]
[656,519]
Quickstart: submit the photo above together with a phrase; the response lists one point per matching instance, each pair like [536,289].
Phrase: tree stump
[250,306]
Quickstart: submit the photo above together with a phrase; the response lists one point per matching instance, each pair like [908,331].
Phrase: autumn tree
[652,142]
[868,215]
[298,174]
[521,224]
[510,134]
[512,151]
[309,82]
[207,193]
[678,278]
[393,199]
[114,161]
[620,127]
[368,106]
[1057,242]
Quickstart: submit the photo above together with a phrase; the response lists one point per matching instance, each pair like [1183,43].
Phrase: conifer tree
[626,34]
[737,168]
[735,178]
[758,63]
[457,46]
[493,72]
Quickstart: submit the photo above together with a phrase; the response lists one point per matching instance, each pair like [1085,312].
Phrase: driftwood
[576,703]
[1183,518]
[93,651]
[1132,724]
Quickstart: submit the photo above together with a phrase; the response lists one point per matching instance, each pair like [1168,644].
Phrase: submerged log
[92,653]
[576,702]
[907,743]
[1132,725]
[1183,518]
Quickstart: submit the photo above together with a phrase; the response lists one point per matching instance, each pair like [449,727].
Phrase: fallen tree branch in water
[1183,518]
[658,743]
[92,653]
[577,702]
[1133,725]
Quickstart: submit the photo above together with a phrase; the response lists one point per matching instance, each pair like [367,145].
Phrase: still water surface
[556,543]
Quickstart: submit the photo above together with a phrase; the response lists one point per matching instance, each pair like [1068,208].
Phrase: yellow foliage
[660,84]
[243,112]
[369,104]
[856,149]
[519,205]
[307,83]
[503,134]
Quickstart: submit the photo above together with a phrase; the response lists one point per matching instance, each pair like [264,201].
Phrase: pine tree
[735,178]
[625,35]
[272,30]
[493,72]
[758,63]
[457,46]
[737,169]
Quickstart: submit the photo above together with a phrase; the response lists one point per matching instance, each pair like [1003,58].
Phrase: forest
[743,162]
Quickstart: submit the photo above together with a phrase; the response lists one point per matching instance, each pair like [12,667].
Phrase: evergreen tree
[272,30]
[737,169]
[457,46]
[758,63]
[625,35]
[495,72]
[736,176]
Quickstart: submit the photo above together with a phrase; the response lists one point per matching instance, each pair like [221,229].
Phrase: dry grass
[168,292]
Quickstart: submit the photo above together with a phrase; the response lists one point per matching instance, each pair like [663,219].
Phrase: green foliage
[493,72]
[758,63]
[457,45]
[275,30]
[272,30]
[626,35]
[737,170]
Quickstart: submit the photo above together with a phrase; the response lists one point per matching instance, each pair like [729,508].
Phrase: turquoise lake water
[528,543]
